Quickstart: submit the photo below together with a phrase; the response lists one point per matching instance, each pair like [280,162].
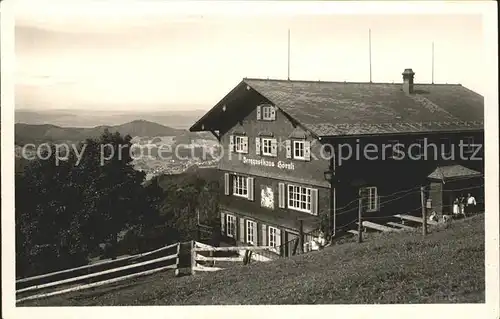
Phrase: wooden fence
[189,257]
[246,254]
[70,280]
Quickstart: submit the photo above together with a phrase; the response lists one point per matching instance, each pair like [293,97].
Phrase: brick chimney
[408,81]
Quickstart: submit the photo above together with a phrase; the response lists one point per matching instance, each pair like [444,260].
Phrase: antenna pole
[432,62]
[370,51]
[288,77]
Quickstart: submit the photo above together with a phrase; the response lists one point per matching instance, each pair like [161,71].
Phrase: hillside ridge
[34,133]
[446,266]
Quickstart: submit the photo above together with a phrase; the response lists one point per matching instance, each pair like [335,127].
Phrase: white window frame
[302,144]
[250,231]
[295,198]
[239,143]
[469,149]
[231,226]
[240,186]
[267,111]
[263,146]
[371,199]
[272,236]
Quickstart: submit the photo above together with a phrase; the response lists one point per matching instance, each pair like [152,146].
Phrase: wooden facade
[277,160]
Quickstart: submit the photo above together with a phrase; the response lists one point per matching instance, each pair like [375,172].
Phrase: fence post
[177,261]
[193,257]
[424,211]
[296,243]
[360,220]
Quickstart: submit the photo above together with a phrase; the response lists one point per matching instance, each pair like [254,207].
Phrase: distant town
[197,153]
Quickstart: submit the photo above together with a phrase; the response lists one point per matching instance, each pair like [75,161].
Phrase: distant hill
[92,118]
[40,133]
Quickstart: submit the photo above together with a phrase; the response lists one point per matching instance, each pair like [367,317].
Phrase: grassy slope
[447,266]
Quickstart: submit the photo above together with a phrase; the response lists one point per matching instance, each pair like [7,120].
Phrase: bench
[415,219]
[400,226]
[379,227]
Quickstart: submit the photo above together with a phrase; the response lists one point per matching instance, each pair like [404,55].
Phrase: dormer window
[266,112]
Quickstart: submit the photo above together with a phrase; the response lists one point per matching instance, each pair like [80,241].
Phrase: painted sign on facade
[264,162]
[267,197]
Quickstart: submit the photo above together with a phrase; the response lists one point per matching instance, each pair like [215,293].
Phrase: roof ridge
[346,82]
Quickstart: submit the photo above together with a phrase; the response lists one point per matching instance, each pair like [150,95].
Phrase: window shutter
[378,203]
[278,238]
[281,195]
[314,201]
[226,183]
[223,223]
[231,143]
[274,147]
[250,187]
[245,144]
[307,150]
[288,145]
[259,116]
[264,235]
[273,113]
[255,238]
[257,145]
[242,230]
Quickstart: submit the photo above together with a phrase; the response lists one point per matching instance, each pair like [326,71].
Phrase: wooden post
[360,220]
[294,251]
[301,236]
[193,257]
[424,211]
[178,261]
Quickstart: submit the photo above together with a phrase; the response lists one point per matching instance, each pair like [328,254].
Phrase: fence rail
[135,268]
[68,273]
[245,255]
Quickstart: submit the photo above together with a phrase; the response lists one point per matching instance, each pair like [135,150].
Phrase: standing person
[456,207]
[471,204]
[462,205]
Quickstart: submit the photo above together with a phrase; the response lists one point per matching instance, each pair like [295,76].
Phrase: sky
[138,58]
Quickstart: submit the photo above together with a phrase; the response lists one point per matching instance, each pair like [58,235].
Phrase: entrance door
[290,239]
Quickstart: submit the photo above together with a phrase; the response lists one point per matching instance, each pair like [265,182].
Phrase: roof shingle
[345,108]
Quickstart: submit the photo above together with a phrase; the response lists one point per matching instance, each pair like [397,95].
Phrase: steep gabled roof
[346,108]
[449,172]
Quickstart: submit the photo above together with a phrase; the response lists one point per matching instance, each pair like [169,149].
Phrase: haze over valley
[160,149]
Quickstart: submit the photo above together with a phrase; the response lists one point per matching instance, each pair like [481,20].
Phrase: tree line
[67,214]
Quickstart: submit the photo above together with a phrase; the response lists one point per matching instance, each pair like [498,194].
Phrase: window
[240,143]
[371,199]
[240,186]
[469,144]
[299,198]
[445,146]
[268,113]
[273,237]
[231,226]
[251,227]
[299,149]
[267,148]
